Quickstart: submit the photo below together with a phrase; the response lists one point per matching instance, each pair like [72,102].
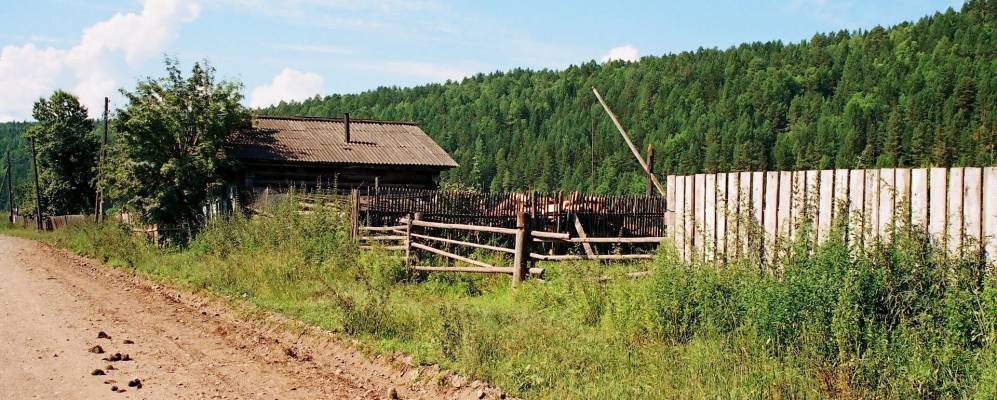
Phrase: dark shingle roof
[322,140]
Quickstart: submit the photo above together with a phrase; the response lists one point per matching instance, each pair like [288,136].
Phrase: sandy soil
[53,305]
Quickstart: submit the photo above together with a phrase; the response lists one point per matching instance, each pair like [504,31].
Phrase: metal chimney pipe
[346,120]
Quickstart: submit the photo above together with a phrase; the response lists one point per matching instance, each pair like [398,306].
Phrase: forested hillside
[915,94]
[12,142]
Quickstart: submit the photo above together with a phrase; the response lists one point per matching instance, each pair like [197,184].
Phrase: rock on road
[53,305]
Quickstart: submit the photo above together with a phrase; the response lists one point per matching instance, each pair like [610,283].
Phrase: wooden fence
[440,239]
[728,215]
[606,216]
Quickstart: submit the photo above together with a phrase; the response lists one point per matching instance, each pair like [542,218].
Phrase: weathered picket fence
[720,217]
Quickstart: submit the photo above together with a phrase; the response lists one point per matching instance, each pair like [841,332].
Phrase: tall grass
[890,320]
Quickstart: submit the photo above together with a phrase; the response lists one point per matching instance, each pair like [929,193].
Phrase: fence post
[408,239]
[524,239]
[354,213]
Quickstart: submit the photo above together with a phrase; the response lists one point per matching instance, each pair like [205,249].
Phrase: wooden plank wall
[720,217]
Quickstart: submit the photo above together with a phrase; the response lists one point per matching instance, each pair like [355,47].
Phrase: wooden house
[305,152]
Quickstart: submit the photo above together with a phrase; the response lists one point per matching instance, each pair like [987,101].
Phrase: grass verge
[893,320]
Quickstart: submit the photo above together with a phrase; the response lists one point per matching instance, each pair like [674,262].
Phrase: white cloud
[26,73]
[288,85]
[125,37]
[625,53]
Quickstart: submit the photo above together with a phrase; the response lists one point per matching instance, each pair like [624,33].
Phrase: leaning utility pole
[38,192]
[99,200]
[10,189]
[633,149]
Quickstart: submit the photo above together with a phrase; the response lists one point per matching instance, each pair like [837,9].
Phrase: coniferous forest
[919,93]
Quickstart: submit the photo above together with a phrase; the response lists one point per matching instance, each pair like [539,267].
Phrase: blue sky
[296,48]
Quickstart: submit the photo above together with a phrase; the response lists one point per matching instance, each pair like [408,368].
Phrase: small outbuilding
[305,152]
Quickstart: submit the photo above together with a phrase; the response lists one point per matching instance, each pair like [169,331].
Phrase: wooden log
[603,257]
[448,254]
[382,228]
[633,149]
[479,270]
[537,272]
[384,237]
[612,240]
[581,230]
[391,248]
[551,235]
[463,243]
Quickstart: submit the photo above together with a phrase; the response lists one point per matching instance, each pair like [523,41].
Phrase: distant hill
[915,94]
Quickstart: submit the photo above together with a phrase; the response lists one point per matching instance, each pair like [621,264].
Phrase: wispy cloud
[312,48]
[835,12]
[424,70]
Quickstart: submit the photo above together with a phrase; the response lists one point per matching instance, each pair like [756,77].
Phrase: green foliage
[12,144]
[67,155]
[892,320]
[169,139]
[915,94]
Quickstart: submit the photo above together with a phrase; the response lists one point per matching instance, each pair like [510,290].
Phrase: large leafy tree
[169,141]
[67,152]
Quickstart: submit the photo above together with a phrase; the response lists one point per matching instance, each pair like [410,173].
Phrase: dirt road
[53,306]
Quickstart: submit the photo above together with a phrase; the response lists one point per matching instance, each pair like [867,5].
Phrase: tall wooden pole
[38,192]
[10,189]
[592,146]
[99,200]
[633,149]
[650,170]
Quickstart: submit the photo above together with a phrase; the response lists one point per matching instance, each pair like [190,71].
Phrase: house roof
[322,140]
